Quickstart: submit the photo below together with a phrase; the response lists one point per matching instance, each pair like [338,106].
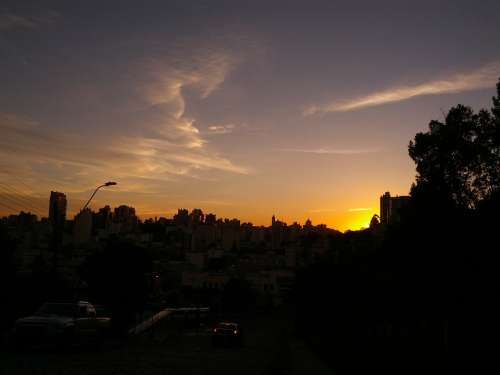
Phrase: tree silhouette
[409,298]
[459,159]
[374,221]
[117,277]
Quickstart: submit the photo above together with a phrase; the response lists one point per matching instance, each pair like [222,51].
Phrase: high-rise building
[182,217]
[82,229]
[57,209]
[102,219]
[390,207]
[124,219]
[57,217]
[277,233]
[385,207]
[210,219]
[230,230]
[196,217]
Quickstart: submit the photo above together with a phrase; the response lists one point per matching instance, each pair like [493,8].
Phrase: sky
[245,109]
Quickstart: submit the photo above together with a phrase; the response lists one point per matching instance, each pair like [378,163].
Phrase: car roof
[68,303]
[227,324]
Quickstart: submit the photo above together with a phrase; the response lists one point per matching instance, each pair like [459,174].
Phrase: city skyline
[15,201]
[57,213]
[293,109]
[57,216]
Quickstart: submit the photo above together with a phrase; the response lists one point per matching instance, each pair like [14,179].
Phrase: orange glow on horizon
[341,221]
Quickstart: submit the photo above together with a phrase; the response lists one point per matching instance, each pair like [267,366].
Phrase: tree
[459,159]
[117,277]
[374,221]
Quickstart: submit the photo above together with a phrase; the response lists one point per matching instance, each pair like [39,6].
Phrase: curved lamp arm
[109,183]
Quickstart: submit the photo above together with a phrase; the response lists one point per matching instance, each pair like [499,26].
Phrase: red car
[227,333]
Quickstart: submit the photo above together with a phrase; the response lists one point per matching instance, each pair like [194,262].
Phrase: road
[269,348]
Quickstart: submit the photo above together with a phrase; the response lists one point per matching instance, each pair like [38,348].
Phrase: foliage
[118,277]
[403,299]
[460,158]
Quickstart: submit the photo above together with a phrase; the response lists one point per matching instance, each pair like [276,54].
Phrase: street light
[109,183]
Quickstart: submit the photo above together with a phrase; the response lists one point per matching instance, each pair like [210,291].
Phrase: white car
[57,322]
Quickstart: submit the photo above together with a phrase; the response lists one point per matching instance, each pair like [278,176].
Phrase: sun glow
[352,220]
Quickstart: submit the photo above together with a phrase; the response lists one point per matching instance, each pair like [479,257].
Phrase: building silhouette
[82,227]
[124,219]
[277,233]
[390,207]
[57,215]
[182,217]
[102,220]
[57,208]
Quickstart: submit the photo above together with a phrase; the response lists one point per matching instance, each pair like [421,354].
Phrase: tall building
[196,217]
[210,219]
[230,230]
[124,219]
[82,229]
[102,219]
[182,217]
[277,233]
[385,208]
[390,207]
[57,217]
[57,209]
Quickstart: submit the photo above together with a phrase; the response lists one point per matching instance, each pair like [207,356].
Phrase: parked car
[227,333]
[103,317]
[60,323]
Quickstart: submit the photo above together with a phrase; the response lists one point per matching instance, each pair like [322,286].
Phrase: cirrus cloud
[221,129]
[481,78]
[332,151]
[161,142]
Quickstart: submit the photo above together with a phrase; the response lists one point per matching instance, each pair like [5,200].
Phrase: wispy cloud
[145,138]
[139,157]
[332,151]
[161,144]
[10,21]
[361,209]
[221,129]
[164,92]
[483,77]
[205,72]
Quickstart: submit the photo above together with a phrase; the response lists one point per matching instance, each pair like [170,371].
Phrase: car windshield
[59,309]
[101,311]
[227,326]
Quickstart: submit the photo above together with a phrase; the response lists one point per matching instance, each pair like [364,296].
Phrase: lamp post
[109,183]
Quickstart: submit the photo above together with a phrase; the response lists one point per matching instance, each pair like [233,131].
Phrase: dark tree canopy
[460,158]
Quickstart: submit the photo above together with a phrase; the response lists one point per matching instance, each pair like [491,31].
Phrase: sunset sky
[245,109]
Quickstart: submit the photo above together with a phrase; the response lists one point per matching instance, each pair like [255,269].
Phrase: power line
[23,183]
[22,199]
[17,202]
[20,207]
[27,202]
[20,196]
[14,210]
[19,182]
